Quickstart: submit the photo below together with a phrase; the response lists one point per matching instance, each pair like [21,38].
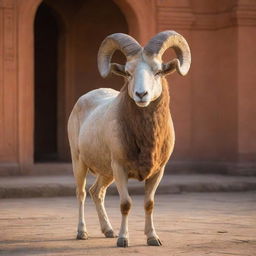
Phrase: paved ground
[188,224]
[50,186]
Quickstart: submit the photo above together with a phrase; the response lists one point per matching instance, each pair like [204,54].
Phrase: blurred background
[48,54]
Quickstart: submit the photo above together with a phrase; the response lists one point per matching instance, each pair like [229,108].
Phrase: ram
[127,134]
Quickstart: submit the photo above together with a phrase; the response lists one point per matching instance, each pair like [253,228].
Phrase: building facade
[48,51]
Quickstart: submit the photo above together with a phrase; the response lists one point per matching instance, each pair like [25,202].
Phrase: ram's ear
[169,67]
[118,69]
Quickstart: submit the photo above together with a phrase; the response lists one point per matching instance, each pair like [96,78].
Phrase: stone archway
[27,10]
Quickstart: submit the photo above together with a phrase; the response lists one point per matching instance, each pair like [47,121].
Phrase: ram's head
[144,67]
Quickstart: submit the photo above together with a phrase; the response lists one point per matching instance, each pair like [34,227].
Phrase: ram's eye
[158,73]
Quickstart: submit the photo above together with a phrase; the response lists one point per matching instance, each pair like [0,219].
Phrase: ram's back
[86,118]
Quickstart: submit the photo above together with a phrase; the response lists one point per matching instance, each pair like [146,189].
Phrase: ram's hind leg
[98,192]
[80,171]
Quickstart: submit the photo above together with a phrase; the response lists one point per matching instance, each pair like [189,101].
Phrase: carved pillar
[245,19]
[8,85]
[26,13]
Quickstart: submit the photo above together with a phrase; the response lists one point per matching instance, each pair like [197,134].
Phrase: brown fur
[149,207]
[146,133]
[125,208]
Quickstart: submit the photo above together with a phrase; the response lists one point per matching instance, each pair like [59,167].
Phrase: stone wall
[213,107]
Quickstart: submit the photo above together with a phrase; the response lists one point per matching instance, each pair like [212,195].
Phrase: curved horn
[119,41]
[171,39]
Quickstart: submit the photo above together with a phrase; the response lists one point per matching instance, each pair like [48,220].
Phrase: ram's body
[126,134]
[96,134]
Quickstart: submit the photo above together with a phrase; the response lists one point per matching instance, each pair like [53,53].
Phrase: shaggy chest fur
[146,134]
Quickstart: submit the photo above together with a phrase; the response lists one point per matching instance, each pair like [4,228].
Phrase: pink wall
[213,107]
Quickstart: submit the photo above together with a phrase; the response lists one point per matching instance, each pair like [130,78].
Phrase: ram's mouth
[142,103]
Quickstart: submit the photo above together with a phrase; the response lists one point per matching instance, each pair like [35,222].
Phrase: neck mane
[146,132]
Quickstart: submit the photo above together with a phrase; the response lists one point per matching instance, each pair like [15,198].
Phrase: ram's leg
[80,171]
[98,192]
[150,188]
[121,180]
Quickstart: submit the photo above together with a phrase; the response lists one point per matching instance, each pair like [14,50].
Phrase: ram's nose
[141,94]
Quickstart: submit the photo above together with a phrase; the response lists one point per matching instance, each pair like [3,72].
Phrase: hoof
[153,241]
[110,234]
[122,242]
[81,235]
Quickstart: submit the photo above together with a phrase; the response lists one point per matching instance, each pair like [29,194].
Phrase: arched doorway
[46,36]
[67,35]
[26,16]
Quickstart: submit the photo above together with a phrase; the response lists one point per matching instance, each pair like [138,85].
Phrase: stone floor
[188,224]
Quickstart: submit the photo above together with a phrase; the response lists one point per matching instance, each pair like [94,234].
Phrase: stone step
[53,186]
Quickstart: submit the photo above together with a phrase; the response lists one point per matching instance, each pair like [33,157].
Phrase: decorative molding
[169,17]
[213,21]
[244,14]
[9,29]
[6,3]
[9,34]
[176,14]
[180,15]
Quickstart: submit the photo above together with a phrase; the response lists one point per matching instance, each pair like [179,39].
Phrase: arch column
[245,19]
[8,86]
[26,14]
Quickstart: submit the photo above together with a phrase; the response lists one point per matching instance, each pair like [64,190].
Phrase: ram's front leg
[121,180]
[151,185]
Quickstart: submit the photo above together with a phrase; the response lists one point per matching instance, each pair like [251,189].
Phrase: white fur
[144,79]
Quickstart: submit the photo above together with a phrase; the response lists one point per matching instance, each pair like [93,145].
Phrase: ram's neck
[145,130]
